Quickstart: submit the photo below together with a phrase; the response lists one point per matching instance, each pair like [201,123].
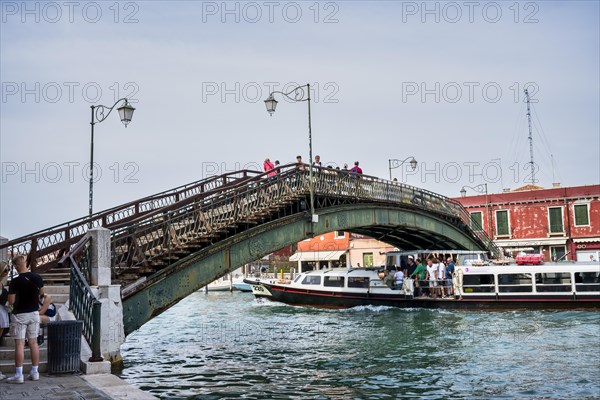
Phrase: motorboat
[549,286]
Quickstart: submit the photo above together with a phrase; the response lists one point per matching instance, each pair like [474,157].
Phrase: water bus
[550,286]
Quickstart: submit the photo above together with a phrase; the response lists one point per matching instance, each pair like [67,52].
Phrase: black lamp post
[99,114]
[394,163]
[297,94]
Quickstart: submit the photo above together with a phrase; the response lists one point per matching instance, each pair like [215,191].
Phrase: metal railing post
[96,331]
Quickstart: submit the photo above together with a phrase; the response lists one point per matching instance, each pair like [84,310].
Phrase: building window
[339,235]
[558,252]
[477,221]
[502,226]
[367,259]
[556,219]
[582,216]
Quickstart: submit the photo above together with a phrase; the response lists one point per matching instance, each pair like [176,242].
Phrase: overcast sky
[440,81]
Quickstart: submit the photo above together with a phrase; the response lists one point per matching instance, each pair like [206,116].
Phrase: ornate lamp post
[99,114]
[482,188]
[394,163]
[297,95]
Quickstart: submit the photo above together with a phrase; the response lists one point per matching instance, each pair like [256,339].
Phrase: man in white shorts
[23,294]
[431,272]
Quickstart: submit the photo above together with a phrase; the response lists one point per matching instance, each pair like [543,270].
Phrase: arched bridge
[166,246]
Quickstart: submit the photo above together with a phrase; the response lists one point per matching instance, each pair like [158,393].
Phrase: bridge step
[7,357]
[57,289]
[52,278]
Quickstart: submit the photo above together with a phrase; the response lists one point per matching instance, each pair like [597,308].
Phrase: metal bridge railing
[82,302]
[158,224]
[44,248]
[160,233]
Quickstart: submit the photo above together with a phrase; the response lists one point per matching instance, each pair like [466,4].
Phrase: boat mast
[533,181]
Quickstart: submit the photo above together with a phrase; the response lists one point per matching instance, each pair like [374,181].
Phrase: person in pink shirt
[356,169]
[270,168]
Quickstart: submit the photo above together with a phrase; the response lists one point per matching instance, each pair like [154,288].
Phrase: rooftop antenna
[533,181]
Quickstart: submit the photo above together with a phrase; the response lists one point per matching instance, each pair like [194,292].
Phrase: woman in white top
[431,272]
[398,278]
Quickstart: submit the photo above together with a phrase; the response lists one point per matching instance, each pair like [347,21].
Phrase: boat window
[390,260]
[478,283]
[297,278]
[553,282]
[311,280]
[358,282]
[334,281]
[587,281]
[508,283]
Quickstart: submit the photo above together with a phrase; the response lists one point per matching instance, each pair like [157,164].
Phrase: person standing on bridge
[317,162]
[268,166]
[300,164]
[23,294]
[356,169]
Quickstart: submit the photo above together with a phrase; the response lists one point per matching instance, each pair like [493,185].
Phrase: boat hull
[324,299]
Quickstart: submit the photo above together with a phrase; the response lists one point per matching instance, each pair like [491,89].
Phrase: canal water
[229,345]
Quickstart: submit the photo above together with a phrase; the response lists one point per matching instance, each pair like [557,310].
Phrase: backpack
[51,311]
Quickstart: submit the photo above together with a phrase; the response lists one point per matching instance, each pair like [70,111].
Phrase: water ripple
[227,345]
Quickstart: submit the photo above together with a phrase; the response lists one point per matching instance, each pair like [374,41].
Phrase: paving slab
[72,387]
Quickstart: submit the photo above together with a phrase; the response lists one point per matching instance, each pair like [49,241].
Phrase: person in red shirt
[356,169]
[268,166]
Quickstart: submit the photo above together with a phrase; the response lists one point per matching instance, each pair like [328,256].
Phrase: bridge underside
[402,227]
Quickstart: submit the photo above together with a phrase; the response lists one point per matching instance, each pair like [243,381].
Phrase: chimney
[556,184]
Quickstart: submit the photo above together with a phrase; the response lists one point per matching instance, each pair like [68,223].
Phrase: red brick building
[558,222]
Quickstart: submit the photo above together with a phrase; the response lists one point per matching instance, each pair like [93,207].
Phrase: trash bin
[64,346]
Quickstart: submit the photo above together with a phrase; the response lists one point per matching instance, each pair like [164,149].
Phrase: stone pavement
[68,387]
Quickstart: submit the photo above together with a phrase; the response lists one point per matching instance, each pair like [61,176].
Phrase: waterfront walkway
[67,387]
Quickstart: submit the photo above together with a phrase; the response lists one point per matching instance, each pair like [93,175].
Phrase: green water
[229,345]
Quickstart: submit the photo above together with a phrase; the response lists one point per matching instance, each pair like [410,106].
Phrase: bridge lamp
[298,94]
[271,104]
[394,163]
[99,114]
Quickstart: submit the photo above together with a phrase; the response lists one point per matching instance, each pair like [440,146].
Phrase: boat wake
[369,308]
[262,302]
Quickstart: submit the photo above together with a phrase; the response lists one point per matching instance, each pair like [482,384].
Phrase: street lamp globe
[271,104]
[413,164]
[126,113]
[463,192]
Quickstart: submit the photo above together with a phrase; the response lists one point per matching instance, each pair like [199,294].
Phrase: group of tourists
[273,168]
[430,280]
